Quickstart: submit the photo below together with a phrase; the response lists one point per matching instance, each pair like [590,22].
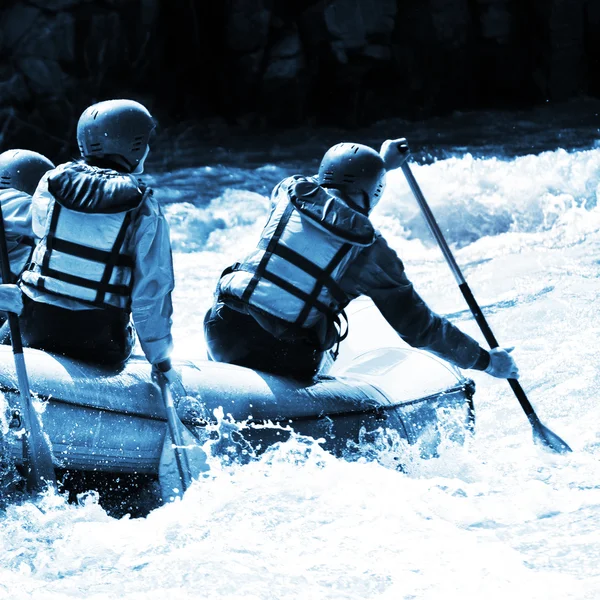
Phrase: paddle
[182,458]
[541,434]
[37,446]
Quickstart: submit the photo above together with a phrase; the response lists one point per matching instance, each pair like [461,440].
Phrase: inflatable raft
[112,422]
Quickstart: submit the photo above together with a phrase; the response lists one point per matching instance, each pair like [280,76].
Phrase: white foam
[499,518]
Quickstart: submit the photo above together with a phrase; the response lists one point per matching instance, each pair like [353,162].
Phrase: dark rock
[496,19]
[289,62]
[451,21]
[592,45]
[352,23]
[44,76]
[285,58]
[52,38]
[17,22]
[56,6]
[248,26]
[14,90]
[559,47]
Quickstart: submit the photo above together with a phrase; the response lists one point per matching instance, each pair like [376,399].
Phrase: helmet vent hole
[94,115]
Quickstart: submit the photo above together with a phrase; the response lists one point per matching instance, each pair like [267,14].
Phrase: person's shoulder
[379,244]
[150,209]
[149,199]
[10,195]
[288,182]
[70,164]
[57,170]
[381,252]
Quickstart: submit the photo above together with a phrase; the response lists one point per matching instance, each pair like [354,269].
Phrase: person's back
[279,309]
[104,252]
[20,173]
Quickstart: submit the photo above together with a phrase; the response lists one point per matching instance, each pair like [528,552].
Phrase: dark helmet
[115,128]
[22,170]
[354,168]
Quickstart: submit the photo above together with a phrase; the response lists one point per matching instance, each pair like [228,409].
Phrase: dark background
[217,71]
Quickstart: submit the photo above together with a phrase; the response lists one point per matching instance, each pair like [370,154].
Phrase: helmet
[119,128]
[354,168]
[22,170]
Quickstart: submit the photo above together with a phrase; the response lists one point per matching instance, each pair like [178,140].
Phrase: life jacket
[81,254]
[304,250]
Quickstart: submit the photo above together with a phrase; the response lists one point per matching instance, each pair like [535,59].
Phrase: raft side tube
[103,420]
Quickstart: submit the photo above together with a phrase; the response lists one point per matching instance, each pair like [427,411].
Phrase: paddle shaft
[464,287]
[39,454]
[174,424]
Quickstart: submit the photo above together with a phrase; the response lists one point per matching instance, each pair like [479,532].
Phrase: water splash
[496,517]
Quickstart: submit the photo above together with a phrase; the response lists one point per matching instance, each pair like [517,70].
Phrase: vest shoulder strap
[272,244]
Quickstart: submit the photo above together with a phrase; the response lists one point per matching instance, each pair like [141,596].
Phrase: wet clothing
[16,210]
[104,252]
[82,254]
[375,270]
[236,338]
[97,336]
[379,273]
[308,243]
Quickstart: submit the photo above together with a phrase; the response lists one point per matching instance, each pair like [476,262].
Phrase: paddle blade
[38,448]
[41,468]
[193,459]
[544,437]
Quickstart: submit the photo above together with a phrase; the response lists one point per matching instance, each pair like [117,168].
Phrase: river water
[497,518]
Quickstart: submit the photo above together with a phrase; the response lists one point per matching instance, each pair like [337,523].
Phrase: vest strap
[323,276]
[105,286]
[261,268]
[93,254]
[298,293]
[320,282]
[118,290]
[41,284]
[50,237]
[110,260]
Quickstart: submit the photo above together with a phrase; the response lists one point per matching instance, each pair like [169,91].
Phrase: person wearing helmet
[20,173]
[279,309]
[104,252]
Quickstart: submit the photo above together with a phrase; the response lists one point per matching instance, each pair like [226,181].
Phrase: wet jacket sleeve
[16,210]
[379,273]
[153,282]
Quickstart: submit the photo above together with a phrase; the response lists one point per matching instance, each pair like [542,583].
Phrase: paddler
[279,308]
[104,252]
[20,173]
